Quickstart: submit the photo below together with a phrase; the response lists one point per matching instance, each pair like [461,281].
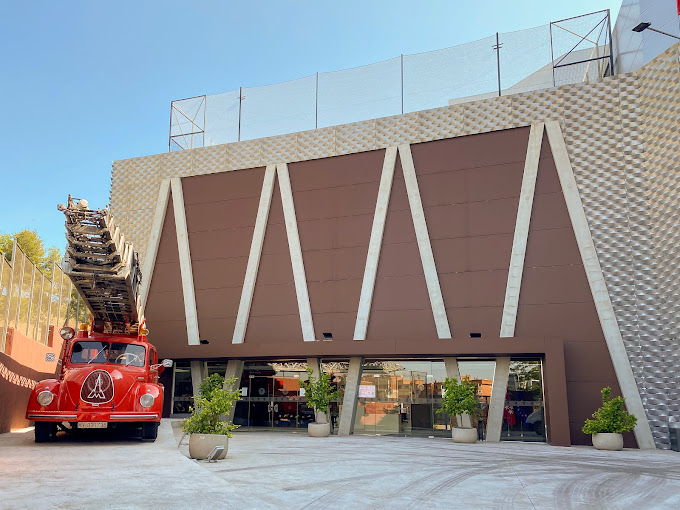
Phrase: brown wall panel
[282,328]
[272,300]
[549,211]
[275,269]
[216,273]
[163,305]
[222,215]
[220,244]
[408,325]
[335,296]
[168,334]
[553,247]
[167,248]
[472,219]
[399,227]
[484,320]
[340,325]
[401,259]
[217,303]
[478,253]
[338,264]
[334,202]
[398,196]
[589,362]
[474,288]
[342,232]
[546,179]
[471,185]
[275,237]
[569,321]
[166,278]
[345,170]
[219,332]
[218,187]
[472,151]
[555,284]
[401,293]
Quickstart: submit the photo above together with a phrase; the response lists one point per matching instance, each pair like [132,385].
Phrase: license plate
[92,424]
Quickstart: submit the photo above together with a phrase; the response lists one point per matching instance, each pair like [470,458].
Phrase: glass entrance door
[271,398]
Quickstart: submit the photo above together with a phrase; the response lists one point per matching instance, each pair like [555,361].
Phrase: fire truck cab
[104,380]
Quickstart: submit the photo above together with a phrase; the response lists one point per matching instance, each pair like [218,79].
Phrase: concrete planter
[464,435]
[608,441]
[319,429]
[200,445]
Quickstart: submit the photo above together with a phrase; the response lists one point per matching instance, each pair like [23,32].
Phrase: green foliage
[6,242]
[459,397]
[210,406]
[30,243]
[318,391]
[611,417]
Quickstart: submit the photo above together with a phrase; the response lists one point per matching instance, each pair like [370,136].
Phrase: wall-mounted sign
[367,391]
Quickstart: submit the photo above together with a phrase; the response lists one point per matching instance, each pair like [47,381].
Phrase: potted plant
[458,399]
[319,393]
[609,422]
[206,425]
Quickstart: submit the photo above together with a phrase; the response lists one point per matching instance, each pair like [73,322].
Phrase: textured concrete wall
[622,138]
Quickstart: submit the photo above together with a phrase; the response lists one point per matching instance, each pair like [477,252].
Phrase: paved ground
[285,470]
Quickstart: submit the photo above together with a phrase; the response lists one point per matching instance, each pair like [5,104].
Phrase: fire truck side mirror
[167,363]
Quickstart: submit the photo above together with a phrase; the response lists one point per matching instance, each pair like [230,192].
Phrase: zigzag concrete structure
[584,180]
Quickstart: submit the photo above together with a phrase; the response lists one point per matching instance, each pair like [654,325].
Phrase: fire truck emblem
[97,388]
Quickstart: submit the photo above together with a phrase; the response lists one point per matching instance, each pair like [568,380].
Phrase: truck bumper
[113,417]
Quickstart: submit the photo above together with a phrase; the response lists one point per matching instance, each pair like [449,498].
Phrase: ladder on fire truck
[103,267]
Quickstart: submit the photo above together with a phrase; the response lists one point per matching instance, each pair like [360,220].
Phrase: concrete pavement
[286,470]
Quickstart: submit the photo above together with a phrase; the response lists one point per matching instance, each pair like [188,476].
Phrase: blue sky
[86,83]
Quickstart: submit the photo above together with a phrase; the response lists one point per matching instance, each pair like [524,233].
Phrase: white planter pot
[464,435]
[608,441]
[319,429]
[200,445]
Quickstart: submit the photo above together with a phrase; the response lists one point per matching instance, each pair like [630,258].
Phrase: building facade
[529,241]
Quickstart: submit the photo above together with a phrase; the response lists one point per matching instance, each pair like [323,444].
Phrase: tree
[6,242]
[30,243]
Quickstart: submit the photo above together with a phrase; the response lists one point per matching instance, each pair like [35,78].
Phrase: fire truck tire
[45,431]
[149,432]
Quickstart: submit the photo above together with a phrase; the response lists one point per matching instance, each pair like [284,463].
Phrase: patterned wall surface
[622,134]
[660,110]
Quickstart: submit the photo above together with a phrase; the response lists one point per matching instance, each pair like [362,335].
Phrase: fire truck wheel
[45,431]
[149,432]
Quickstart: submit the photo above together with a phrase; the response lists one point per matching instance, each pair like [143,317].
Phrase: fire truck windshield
[118,353]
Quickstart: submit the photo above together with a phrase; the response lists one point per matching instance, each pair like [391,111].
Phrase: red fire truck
[108,373]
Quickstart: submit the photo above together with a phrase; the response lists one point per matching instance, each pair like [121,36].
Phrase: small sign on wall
[367,391]
[49,357]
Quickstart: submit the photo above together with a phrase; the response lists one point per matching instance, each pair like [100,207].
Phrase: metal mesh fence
[31,302]
[566,51]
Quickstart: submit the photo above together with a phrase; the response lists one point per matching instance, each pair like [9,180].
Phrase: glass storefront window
[401,397]
[523,415]
[395,396]
[271,396]
[184,392]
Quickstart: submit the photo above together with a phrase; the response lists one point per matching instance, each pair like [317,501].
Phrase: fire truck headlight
[45,398]
[147,400]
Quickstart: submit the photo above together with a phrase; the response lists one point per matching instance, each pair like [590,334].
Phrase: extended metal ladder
[103,267]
